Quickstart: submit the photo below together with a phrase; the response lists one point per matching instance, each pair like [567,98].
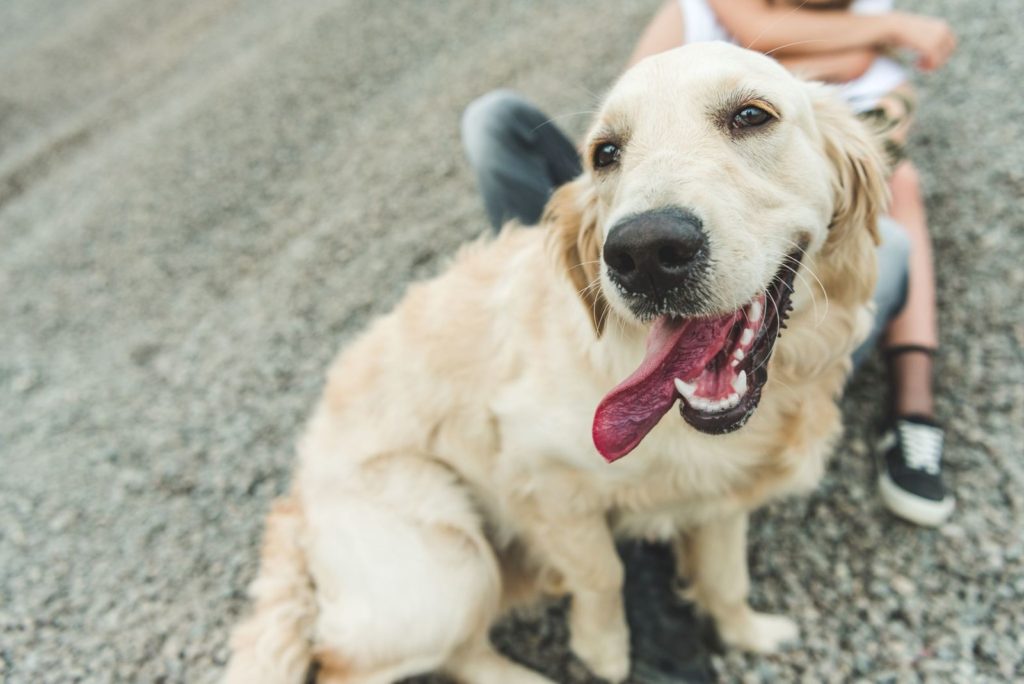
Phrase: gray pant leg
[518,155]
[891,290]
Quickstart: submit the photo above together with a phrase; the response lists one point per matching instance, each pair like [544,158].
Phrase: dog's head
[710,175]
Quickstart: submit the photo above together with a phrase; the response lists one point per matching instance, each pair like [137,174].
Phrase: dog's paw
[606,653]
[760,632]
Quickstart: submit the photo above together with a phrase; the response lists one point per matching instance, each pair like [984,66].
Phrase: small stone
[903,586]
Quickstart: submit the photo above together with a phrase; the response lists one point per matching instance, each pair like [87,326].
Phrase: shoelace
[922,446]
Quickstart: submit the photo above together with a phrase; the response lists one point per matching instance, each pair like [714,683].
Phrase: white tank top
[884,75]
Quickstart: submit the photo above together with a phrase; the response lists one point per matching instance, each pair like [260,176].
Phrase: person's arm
[663,32]
[783,30]
[832,67]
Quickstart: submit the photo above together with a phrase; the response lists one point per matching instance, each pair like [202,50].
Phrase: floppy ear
[574,241]
[860,195]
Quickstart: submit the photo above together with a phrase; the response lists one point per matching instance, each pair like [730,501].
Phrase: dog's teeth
[689,392]
[735,362]
[725,404]
[738,354]
[747,336]
[755,311]
[739,383]
[685,388]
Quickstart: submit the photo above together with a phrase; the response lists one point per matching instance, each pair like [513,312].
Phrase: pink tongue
[675,349]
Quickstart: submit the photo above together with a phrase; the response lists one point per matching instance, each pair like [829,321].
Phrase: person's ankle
[910,380]
[918,417]
[922,412]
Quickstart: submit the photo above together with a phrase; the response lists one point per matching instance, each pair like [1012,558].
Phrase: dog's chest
[677,477]
[548,425]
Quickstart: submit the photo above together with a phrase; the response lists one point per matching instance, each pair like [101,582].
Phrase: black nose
[656,251]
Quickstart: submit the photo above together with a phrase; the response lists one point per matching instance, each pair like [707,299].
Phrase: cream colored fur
[449,470]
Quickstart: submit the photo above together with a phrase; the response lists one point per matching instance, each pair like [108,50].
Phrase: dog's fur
[449,470]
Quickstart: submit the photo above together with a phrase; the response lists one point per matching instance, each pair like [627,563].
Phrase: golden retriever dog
[454,464]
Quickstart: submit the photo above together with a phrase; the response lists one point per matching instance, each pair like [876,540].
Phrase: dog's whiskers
[772,25]
[778,317]
[585,263]
[593,284]
[798,42]
[797,272]
[821,286]
[559,117]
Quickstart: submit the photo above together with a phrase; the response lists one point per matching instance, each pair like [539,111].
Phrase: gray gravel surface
[200,200]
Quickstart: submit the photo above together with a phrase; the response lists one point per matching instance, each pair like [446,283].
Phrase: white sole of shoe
[913,508]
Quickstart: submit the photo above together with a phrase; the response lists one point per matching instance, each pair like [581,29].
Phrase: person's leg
[910,450]
[891,289]
[912,337]
[518,156]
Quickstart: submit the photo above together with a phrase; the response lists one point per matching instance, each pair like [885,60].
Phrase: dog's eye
[750,116]
[606,155]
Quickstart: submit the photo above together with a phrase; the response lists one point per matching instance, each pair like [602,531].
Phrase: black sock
[910,381]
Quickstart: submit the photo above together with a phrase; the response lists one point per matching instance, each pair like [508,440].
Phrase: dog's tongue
[675,349]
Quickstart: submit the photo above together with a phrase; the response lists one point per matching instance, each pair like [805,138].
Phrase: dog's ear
[861,194]
[574,241]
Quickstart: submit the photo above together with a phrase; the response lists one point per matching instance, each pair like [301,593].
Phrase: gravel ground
[201,199]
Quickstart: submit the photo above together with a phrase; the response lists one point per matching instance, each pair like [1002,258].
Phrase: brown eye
[750,116]
[606,154]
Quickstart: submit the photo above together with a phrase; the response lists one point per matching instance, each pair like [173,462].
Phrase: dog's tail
[274,644]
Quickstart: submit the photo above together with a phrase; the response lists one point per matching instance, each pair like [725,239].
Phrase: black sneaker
[671,644]
[909,457]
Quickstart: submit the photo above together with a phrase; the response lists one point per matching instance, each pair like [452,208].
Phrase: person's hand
[931,38]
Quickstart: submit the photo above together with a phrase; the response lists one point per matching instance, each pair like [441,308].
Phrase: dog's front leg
[714,560]
[581,549]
